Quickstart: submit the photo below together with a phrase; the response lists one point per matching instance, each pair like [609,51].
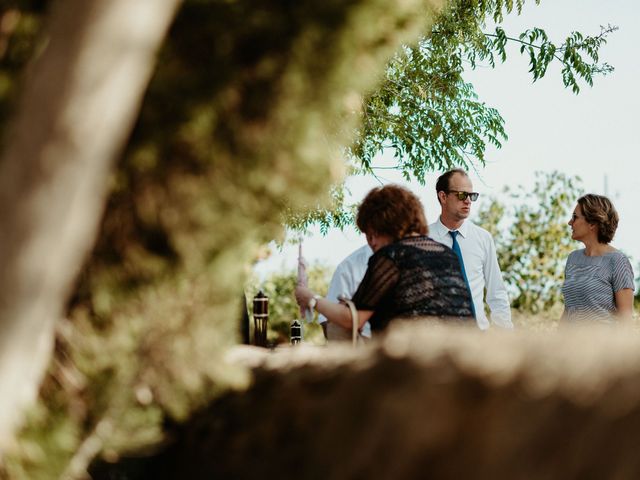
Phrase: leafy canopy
[429,118]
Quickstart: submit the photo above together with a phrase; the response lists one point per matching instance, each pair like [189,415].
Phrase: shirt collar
[463,230]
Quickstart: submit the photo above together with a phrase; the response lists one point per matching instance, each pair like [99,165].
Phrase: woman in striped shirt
[599,280]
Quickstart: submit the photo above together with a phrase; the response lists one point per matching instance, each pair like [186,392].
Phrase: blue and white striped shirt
[590,284]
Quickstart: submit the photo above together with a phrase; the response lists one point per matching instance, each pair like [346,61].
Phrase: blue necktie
[456,249]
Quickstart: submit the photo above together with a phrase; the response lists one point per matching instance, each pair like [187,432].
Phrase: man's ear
[441,197]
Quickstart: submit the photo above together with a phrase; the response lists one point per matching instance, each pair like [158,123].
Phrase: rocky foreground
[437,403]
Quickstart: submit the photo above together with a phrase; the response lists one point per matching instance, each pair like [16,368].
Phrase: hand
[303,296]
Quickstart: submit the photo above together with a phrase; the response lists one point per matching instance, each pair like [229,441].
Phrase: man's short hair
[442,184]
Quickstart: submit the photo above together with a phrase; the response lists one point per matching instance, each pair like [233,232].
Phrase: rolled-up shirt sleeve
[497,297]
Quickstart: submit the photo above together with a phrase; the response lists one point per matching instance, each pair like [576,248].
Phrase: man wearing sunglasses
[473,245]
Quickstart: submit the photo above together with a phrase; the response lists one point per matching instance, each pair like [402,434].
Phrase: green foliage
[337,214]
[422,110]
[112,388]
[578,55]
[427,115]
[429,118]
[45,446]
[240,124]
[533,239]
[241,121]
[20,24]
[283,309]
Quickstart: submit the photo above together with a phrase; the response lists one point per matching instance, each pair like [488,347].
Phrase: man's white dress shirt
[481,265]
[346,279]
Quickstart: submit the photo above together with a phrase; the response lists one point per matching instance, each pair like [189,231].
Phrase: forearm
[337,313]
[497,296]
[624,305]
[339,285]
[625,316]
[501,315]
[499,308]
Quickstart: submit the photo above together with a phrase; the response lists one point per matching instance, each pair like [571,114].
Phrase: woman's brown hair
[392,210]
[599,211]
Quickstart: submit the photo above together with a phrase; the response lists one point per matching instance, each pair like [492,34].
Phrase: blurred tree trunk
[79,102]
[245,119]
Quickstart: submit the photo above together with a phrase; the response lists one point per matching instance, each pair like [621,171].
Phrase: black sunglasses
[462,196]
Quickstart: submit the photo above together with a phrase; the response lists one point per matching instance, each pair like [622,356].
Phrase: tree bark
[80,99]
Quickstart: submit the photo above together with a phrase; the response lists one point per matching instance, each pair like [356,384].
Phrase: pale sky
[592,135]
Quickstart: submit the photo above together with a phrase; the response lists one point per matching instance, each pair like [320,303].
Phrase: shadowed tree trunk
[80,99]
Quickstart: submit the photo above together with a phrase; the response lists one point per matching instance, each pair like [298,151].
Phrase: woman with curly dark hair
[599,280]
[409,275]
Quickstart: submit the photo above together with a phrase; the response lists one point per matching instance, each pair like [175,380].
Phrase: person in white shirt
[480,264]
[345,281]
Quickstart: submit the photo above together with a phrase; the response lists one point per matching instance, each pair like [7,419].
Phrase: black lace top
[414,277]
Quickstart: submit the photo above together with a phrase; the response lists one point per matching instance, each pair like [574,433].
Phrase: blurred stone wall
[437,403]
